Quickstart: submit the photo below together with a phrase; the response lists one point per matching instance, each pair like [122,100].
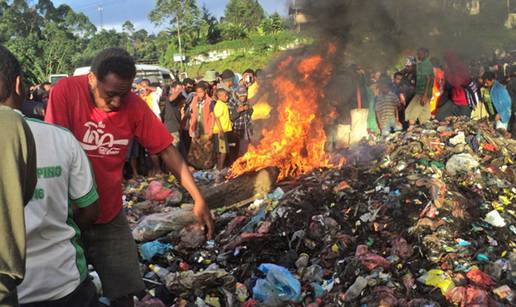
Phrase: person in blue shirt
[501,100]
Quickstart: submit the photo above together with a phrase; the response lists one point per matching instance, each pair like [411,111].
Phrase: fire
[296,143]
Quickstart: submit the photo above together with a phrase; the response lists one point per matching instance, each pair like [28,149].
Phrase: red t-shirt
[105,137]
[458,96]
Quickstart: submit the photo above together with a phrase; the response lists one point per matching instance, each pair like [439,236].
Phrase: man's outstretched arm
[178,166]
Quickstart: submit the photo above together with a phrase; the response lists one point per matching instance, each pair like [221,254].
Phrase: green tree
[248,13]
[128,27]
[210,31]
[183,17]
[231,31]
[272,25]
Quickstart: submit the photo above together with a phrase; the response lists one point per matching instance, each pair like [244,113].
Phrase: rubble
[412,221]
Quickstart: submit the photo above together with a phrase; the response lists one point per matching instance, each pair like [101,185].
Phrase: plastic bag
[150,249]
[192,237]
[355,289]
[149,301]
[480,278]
[279,286]
[461,164]
[439,279]
[185,282]
[251,225]
[157,192]
[156,225]
[370,260]
[494,218]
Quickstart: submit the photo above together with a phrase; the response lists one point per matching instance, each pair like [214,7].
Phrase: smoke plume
[379,35]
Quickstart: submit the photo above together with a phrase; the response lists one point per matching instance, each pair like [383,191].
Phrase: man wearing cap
[408,81]
[228,83]
[241,112]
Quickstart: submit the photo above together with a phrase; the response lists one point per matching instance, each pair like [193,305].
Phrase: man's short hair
[398,73]
[204,85]
[249,71]
[45,83]
[10,69]
[188,81]
[425,50]
[145,81]
[175,84]
[221,90]
[489,75]
[116,61]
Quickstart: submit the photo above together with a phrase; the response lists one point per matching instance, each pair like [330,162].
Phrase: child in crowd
[387,104]
[221,127]
[201,128]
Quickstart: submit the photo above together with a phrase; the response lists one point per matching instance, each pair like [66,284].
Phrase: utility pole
[100,9]
[179,36]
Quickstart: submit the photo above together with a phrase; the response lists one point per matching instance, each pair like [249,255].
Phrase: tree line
[49,39]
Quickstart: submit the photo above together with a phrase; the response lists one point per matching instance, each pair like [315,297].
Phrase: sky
[115,12]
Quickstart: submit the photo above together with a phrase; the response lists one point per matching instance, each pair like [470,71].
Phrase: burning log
[243,187]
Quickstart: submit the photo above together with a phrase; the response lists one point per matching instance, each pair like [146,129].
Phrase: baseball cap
[227,74]
[241,91]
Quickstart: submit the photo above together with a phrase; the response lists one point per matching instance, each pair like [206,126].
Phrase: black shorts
[84,296]
[111,249]
[220,145]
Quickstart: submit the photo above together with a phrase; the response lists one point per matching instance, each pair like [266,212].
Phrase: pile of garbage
[421,218]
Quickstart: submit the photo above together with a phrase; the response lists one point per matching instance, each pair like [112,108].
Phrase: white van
[56,77]
[154,73]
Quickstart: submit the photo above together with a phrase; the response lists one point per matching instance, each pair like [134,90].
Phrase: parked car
[56,77]
[156,74]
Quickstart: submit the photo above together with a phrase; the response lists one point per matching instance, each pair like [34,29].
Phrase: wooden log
[243,187]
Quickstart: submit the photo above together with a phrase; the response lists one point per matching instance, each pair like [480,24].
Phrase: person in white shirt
[64,203]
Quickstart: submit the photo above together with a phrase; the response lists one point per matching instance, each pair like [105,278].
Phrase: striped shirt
[387,108]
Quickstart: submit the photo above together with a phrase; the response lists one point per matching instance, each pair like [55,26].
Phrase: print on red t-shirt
[105,136]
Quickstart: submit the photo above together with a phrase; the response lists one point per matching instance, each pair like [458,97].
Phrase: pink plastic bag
[157,192]
[370,260]
[468,296]
[480,278]
[401,248]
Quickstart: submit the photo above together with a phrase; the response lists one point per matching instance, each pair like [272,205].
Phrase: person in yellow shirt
[221,128]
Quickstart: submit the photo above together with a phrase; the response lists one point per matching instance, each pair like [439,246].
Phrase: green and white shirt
[56,264]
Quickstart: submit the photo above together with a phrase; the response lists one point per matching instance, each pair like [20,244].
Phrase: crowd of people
[209,119]
[426,89]
[60,189]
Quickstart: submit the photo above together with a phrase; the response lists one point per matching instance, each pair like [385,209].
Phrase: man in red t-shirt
[104,115]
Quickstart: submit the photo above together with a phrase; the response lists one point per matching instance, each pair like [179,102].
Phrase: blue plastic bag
[150,249]
[278,287]
[250,227]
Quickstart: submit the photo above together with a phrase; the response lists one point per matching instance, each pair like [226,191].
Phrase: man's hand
[221,134]
[196,139]
[425,100]
[497,117]
[241,109]
[203,216]
[176,91]
[179,168]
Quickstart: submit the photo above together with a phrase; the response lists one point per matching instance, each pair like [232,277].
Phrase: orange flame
[296,144]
